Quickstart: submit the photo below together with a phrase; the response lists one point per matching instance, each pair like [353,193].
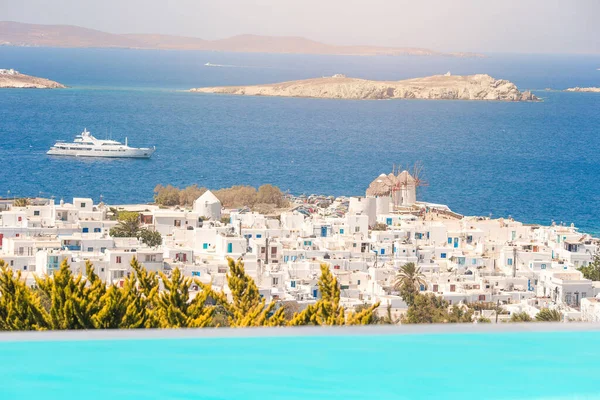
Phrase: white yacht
[86,145]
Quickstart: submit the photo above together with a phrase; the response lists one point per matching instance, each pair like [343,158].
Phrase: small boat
[86,145]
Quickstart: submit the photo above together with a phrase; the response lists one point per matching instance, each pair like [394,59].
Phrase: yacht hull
[128,153]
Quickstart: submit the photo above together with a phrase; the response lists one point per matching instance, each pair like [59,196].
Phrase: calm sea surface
[537,162]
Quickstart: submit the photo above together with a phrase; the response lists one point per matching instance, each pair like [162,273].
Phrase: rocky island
[9,78]
[584,89]
[451,87]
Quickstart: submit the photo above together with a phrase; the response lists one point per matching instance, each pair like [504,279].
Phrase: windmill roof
[208,197]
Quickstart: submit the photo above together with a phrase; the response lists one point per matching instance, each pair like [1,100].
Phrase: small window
[275,281]
[25,268]
[258,235]
[195,273]
[205,246]
[443,255]
[82,205]
[177,222]
[449,240]
[85,230]
[36,213]
[341,231]
[20,219]
[230,247]
[12,263]
[97,230]
[509,261]
[543,266]
[101,269]
[118,260]
[357,229]
[90,249]
[358,282]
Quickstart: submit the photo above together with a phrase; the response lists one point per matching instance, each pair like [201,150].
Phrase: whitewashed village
[364,241]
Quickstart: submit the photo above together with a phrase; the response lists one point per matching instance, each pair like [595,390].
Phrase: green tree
[128,226]
[547,315]
[166,196]
[146,289]
[175,309]
[87,301]
[427,309]
[248,308]
[20,308]
[150,238]
[237,196]
[64,291]
[592,270]
[460,314]
[520,317]
[408,282]
[188,195]
[485,320]
[269,194]
[328,311]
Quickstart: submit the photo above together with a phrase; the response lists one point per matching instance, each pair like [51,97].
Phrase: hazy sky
[548,26]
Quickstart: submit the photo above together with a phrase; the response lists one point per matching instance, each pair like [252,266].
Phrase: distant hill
[21,34]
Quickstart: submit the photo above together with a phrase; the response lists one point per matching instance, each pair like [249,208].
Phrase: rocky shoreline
[9,78]
[437,87]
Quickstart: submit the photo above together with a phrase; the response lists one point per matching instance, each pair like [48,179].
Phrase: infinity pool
[396,363]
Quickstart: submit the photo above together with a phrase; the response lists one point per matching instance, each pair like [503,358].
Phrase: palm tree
[408,282]
[128,226]
[409,276]
[547,315]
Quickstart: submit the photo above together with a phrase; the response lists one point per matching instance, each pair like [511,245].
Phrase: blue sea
[536,162]
[499,366]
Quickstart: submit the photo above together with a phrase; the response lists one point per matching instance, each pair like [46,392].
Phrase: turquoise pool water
[525,365]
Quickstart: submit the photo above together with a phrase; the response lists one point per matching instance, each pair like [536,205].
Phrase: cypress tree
[20,308]
[248,308]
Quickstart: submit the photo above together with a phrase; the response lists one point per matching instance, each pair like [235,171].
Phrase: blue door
[455,242]
[323,231]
